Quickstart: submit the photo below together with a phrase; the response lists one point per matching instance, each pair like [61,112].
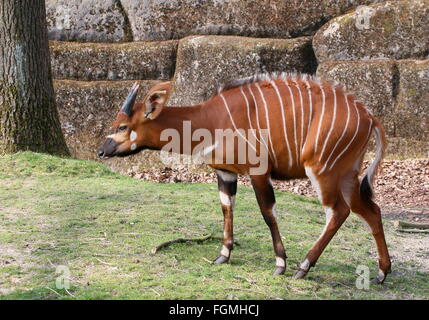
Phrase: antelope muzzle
[109,149]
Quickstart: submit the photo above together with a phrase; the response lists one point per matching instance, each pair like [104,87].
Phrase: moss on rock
[412,110]
[113,61]
[388,30]
[206,62]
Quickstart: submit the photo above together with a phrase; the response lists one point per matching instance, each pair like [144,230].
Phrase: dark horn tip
[131,98]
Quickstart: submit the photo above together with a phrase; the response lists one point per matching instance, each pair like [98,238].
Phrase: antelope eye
[122,128]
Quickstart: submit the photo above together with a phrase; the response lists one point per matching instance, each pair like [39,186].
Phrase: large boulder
[87,20]
[374,83]
[113,61]
[412,109]
[391,29]
[396,91]
[87,110]
[174,19]
[206,62]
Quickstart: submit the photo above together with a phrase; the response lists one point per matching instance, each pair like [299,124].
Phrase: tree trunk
[28,113]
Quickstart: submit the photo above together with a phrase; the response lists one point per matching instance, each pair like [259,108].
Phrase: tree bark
[28,113]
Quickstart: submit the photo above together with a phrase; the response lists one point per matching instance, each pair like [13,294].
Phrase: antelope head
[128,135]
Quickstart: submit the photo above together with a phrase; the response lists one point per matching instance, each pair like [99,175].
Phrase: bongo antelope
[315,130]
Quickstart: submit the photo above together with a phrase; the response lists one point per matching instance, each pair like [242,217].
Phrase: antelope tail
[366,190]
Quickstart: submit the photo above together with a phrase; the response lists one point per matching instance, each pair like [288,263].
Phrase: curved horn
[127,107]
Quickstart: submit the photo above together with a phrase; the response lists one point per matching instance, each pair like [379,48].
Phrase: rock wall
[206,62]
[157,20]
[380,52]
[111,61]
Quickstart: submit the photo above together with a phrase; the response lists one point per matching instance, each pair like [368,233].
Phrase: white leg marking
[354,136]
[267,119]
[381,275]
[342,135]
[331,129]
[225,199]
[225,251]
[321,118]
[133,135]
[284,123]
[133,147]
[233,123]
[294,120]
[305,265]
[280,262]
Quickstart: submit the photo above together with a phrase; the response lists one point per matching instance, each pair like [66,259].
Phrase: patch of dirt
[401,190]
[16,258]
[411,248]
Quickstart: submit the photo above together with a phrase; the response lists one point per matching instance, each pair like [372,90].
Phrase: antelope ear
[156,99]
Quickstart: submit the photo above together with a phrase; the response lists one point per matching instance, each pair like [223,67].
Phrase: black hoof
[279,271]
[300,274]
[380,278]
[377,281]
[221,259]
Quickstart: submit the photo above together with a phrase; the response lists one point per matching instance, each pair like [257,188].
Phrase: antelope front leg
[266,200]
[227,184]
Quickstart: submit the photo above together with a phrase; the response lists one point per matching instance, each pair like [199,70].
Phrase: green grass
[102,226]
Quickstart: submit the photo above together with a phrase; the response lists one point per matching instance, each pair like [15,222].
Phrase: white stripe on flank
[233,123]
[310,98]
[257,117]
[332,126]
[267,119]
[370,129]
[248,116]
[284,122]
[354,136]
[321,118]
[342,135]
[294,120]
[302,115]
[378,154]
